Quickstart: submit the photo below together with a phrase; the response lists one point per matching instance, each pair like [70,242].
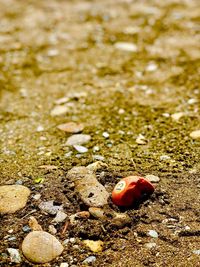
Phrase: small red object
[130,190]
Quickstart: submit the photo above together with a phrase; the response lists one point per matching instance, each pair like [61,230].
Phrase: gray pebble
[90,259]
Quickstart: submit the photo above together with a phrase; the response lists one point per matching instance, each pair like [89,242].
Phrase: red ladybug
[130,189]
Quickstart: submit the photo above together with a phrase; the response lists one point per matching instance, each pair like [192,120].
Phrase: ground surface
[50,49]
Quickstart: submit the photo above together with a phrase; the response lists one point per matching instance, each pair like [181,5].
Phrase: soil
[51,49]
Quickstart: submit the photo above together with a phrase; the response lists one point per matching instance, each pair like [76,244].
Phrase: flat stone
[89,260]
[195,134]
[120,219]
[153,233]
[129,47]
[91,192]
[59,110]
[34,225]
[14,255]
[97,213]
[71,127]
[49,207]
[60,217]
[152,178]
[41,247]
[78,139]
[177,116]
[150,245]
[94,246]
[13,198]
[80,149]
[96,166]
[64,264]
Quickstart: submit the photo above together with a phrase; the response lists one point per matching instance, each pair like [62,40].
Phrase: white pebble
[105,134]
[59,110]
[80,149]
[153,233]
[14,255]
[129,47]
[195,134]
[40,128]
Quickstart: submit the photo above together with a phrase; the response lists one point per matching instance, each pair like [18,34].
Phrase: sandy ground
[51,49]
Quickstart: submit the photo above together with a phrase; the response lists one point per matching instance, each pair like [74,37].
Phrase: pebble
[60,217]
[52,230]
[96,166]
[62,100]
[177,116]
[64,264]
[129,47]
[140,140]
[40,128]
[81,214]
[94,246]
[164,157]
[96,148]
[80,149]
[49,207]
[26,229]
[41,247]
[34,225]
[120,219]
[195,134]
[37,196]
[14,255]
[152,178]
[89,260]
[59,110]
[91,192]
[98,157]
[13,198]
[97,213]
[105,134]
[151,67]
[197,251]
[71,127]
[12,238]
[192,101]
[78,139]
[153,233]
[150,245]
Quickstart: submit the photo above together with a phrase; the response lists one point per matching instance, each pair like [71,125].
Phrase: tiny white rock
[129,47]
[80,149]
[153,233]
[195,134]
[64,264]
[150,245]
[105,134]
[140,140]
[164,157]
[14,255]
[151,67]
[152,178]
[177,116]
[59,110]
[78,139]
[60,217]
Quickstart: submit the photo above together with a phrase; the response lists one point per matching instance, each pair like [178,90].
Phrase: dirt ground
[51,49]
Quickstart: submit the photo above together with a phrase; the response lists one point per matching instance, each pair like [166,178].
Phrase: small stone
[37,196]
[10,231]
[96,148]
[62,100]
[150,245]
[40,128]
[152,178]
[14,255]
[197,251]
[68,154]
[94,246]
[129,47]
[98,157]
[91,192]
[60,217]
[26,229]
[192,101]
[64,264]
[153,233]
[59,110]
[13,198]
[52,230]
[12,238]
[195,134]
[49,207]
[71,127]
[34,225]
[151,67]
[53,53]
[120,219]
[105,135]
[96,166]
[48,167]
[177,116]
[78,139]
[97,213]
[41,247]
[164,157]
[89,260]
[81,214]
[80,149]
[140,140]
[121,111]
